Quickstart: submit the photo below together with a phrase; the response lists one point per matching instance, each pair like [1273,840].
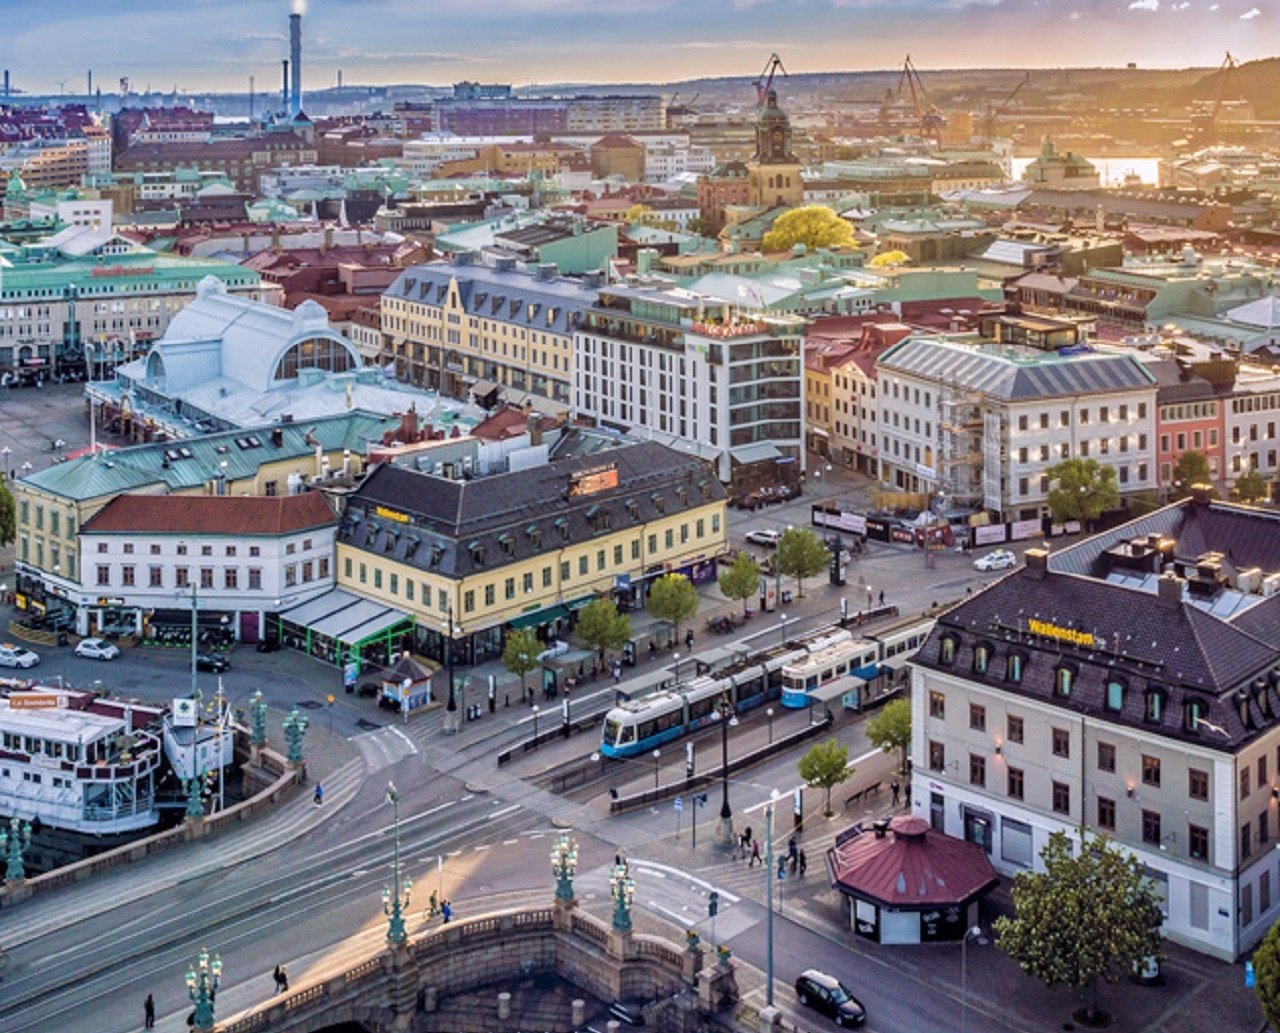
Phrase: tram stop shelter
[341,626]
[406,684]
[908,883]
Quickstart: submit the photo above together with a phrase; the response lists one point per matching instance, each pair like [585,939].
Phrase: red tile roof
[212,514]
[913,866]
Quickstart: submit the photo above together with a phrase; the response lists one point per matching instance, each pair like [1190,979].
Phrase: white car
[557,648]
[16,656]
[768,536]
[998,560]
[97,649]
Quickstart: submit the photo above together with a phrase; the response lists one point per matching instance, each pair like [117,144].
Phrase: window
[230,550]
[977,770]
[1115,694]
[1192,714]
[255,550]
[102,547]
[583,564]
[1246,840]
[206,550]
[468,601]
[181,577]
[1198,784]
[1151,827]
[324,568]
[104,575]
[1061,798]
[937,756]
[1016,784]
[1153,708]
[1106,757]
[126,577]
[1061,742]
[255,578]
[509,588]
[1106,813]
[981,658]
[527,581]
[1262,771]
[1013,669]
[1264,827]
[181,550]
[156,577]
[155,550]
[947,652]
[230,577]
[977,717]
[488,595]
[377,575]
[394,586]
[1244,783]
[1150,771]
[937,705]
[1014,728]
[1062,679]
[291,576]
[1198,842]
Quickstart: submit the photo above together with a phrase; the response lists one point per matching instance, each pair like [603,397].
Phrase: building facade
[773,174]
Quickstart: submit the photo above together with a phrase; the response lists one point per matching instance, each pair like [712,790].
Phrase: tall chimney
[6,82]
[89,91]
[284,90]
[295,55]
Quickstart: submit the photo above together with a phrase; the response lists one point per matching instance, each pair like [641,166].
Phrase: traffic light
[713,904]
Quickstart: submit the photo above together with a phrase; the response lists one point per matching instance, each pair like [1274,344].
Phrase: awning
[835,688]
[483,387]
[578,604]
[761,451]
[537,618]
[344,616]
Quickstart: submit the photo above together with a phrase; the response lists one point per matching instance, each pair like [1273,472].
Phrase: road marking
[482,846]
[656,867]
[682,919]
[509,842]
[413,747]
[791,792]
[453,853]
[468,796]
[505,810]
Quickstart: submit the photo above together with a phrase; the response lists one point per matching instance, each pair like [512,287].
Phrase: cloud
[1074,16]
[1182,6]
[1144,5]
[1253,12]
[1214,7]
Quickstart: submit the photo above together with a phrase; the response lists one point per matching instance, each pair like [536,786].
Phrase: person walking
[149,1012]
[319,797]
[446,909]
[755,854]
[896,788]
[803,863]
[882,597]
[782,867]
[688,638]
[617,672]
[276,976]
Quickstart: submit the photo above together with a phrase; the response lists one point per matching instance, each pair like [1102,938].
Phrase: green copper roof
[116,274]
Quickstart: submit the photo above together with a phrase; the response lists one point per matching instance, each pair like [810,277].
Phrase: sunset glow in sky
[217,44]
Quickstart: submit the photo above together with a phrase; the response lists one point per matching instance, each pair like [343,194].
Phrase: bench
[873,789]
[853,798]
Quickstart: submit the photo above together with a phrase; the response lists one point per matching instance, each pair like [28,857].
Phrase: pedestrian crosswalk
[384,746]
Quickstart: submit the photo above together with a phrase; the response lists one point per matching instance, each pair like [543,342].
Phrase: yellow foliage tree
[889,259]
[637,213]
[813,226]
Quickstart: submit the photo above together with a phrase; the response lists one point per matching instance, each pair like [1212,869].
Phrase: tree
[520,656]
[742,580]
[1192,468]
[1091,914]
[889,259]
[1084,489]
[8,515]
[602,627]
[814,226]
[672,598]
[636,213]
[1266,975]
[1249,487]
[891,729]
[801,554]
[825,766]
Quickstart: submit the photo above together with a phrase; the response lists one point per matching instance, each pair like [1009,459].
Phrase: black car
[215,662]
[828,995]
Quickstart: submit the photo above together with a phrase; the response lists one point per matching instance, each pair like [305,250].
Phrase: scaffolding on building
[961,456]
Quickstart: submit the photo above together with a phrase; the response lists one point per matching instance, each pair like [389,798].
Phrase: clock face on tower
[777,141]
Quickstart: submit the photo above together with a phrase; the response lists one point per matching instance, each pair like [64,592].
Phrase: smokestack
[295,55]
[6,82]
[251,100]
[339,78]
[284,90]
[89,91]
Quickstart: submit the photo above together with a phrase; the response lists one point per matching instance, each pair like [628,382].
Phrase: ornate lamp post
[395,899]
[564,865]
[194,787]
[623,890]
[202,987]
[258,715]
[724,831]
[452,718]
[15,844]
[295,727]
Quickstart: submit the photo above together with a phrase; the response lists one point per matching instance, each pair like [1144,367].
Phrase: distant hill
[1258,81]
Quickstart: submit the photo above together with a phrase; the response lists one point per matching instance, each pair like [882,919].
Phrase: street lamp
[195,636]
[564,865]
[202,987]
[768,712]
[452,718]
[969,934]
[535,724]
[768,894]
[676,658]
[623,890]
[782,627]
[724,713]
[395,899]
[657,755]
[14,845]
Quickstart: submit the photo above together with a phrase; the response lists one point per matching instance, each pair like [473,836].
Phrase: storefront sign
[597,478]
[33,701]
[1054,631]
[99,272]
[989,534]
[391,514]
[104,601]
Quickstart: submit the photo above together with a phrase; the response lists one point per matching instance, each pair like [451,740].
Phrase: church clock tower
[773,175]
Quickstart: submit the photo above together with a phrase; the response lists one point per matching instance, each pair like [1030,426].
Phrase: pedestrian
[755,854]
[795,860]
[617,859]
[446,909]
[276,976]
[782,867]
[617,672]
[319,797]
[688,638]
[433,905]
[149,1012]
[895,788]
[803,863]
[282,979]
[908,794]
[882,597]
[791,848]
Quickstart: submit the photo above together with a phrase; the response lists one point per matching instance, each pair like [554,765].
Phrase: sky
[217,44]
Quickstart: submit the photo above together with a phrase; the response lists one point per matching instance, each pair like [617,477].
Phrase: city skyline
[200,45]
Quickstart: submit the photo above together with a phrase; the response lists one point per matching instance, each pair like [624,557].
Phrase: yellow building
[528,547]
[773,174]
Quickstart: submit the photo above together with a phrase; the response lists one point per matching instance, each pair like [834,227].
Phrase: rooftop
[217,514]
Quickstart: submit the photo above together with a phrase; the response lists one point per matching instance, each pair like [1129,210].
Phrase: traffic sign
[713,904]
[679,803]
[1248,974]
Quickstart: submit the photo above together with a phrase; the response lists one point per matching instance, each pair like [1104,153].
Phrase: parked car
[826,994]
[214,662]
[767,536]
[97,649]
[268,645]
[17,656]
[1000,559]
[557,648]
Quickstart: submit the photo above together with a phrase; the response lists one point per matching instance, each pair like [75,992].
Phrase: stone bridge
[399,989]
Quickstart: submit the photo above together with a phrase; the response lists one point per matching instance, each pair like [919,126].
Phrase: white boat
[76,762]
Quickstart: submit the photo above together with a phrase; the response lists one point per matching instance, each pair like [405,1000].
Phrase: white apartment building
[1252,416]
[983,422]
[691,371]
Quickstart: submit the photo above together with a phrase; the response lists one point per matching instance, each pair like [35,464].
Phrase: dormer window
[1063,682]
[562,525]
[659,502]
[981,658]
[633,509]
[1013,668]
[437,554]
[1153,705]
[508,545]
[947,649]
[534,534]
[1192,715]
[682,493]
[477,553]
[1115,695]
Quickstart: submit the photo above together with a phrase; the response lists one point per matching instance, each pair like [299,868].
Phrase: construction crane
[1228,77]
[995,111]
[930,118]
[765,83]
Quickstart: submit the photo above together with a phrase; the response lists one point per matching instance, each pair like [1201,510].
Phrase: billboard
[592,480]
[34,701]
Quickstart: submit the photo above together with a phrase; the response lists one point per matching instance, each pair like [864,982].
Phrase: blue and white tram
[829,658]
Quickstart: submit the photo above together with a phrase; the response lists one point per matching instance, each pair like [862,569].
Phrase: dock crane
[1228,76]
[931,119]
[995,111]
[765,82]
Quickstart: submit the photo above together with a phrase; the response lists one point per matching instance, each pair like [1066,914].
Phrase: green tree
[1083,489]
[742,579]
[812,225]
[1090,915]
[1266,975]
[520,656]
[1249,487]
[672,598]
[825,766]
[8,514]
[891,729]
[801,554]
[602,627]
[1192,468]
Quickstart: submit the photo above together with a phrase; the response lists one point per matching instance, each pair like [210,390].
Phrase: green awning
[578,604]
[537,618]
